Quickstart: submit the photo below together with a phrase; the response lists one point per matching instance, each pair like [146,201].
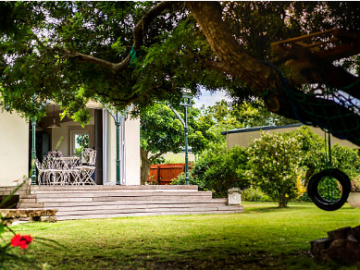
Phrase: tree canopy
[137,52]
[161,131]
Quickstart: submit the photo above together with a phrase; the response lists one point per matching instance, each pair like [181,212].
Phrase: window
[79,140]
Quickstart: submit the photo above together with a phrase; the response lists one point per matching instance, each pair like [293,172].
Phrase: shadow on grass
[249,208]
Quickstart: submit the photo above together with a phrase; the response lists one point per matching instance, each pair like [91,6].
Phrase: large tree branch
[139,32]
[260,76]
[238,63]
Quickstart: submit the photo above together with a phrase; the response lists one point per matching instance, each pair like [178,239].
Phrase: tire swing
[326,201]
[330,188]
[338,114]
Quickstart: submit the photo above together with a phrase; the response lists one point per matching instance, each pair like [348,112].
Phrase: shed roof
[241,130]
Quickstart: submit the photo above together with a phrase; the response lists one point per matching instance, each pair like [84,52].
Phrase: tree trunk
[145,166]
[237,62]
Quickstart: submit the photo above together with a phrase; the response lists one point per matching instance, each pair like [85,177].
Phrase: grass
[264,237]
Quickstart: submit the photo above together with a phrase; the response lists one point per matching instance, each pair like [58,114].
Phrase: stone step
[99,187]
[135,201]
[120,194]
[91,216]
[137,206]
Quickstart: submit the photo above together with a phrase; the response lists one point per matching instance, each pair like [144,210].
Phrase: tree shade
[138,52]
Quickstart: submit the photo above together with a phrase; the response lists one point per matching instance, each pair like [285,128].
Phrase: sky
[209,99]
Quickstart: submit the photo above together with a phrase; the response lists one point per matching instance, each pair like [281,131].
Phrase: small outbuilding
[245,136]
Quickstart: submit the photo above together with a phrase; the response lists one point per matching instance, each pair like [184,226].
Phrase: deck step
[87,194]
[147,214]
[85,202]
[98,187]
[61,212]
[134,202]
[137,206]
[119,199]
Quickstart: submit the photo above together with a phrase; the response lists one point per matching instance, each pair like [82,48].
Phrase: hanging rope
[335,113]
[330,109]
[133,57]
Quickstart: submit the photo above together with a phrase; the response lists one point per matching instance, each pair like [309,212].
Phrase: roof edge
[242,130]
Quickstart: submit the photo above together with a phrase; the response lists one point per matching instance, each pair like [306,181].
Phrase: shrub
[180,180]
[252,194]
[355,184]
[223,170]
[274,163]
[218,170]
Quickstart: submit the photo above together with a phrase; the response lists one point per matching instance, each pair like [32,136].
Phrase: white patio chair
[43,172]
[88,156]
[87,167]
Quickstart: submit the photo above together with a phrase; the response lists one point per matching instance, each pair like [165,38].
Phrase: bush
[221,170]
[218,170]
[180,180]
[252,194]
[274,163]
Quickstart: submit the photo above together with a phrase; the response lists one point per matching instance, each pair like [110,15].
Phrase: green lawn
[263,237]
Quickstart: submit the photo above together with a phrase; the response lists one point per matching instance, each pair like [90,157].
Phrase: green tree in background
[161,132]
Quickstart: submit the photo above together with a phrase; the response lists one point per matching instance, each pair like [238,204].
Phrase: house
[245,136]
[100,133]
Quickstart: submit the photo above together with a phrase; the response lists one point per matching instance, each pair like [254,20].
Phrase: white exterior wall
[14,145]
[132,151]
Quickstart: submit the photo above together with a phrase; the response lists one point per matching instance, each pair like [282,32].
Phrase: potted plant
[354,196]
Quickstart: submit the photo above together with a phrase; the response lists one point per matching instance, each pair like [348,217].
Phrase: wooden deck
[87,202]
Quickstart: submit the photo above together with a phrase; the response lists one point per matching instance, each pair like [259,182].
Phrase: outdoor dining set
[56,169]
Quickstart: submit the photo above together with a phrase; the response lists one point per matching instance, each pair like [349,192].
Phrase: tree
[135,52]
[161,132]
[274,162]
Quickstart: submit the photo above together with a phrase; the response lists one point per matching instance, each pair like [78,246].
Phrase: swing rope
[336,113]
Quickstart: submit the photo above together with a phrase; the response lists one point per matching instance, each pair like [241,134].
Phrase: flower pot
[354,199]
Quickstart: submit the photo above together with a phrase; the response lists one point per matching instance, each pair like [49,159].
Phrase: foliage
[220,169]
[223,116]
[314,155]
[355,184]
[161,131]
[254,194]
[83,140]
[68,51]
[274,161]
[180,180]
[33,62]
[13,252]
[307,154]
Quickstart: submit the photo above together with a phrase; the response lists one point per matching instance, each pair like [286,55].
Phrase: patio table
[66,162]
